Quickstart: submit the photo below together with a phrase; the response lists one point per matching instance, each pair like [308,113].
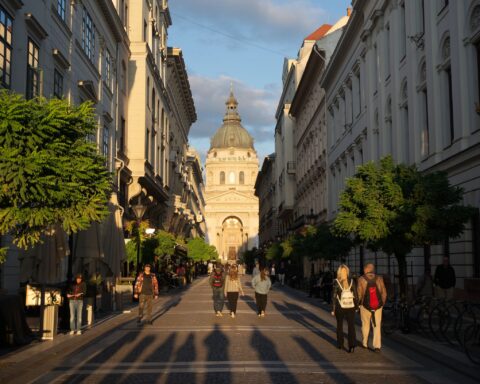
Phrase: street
[294,343]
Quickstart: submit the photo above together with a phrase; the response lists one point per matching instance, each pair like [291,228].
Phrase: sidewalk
[442,353]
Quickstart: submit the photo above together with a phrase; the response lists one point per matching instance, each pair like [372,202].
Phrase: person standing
[75,294]
[273,273]
[262,284]
[372,295]
[256,270]
[281,273]
[344,306]
[217,281]
[210,268]
[146,289]
[445,279]
[233,288]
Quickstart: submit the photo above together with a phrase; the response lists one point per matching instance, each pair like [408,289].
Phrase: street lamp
[138,210]
[311,217]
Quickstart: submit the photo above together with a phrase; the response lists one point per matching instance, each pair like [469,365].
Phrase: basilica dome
[231,133]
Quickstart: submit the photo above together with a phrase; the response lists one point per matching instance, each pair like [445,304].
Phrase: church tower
[231,170]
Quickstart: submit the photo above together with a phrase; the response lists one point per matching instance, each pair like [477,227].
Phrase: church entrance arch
[232,230]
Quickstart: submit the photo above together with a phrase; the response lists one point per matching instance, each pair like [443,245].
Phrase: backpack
[217,280]
[372,299]
[346,299]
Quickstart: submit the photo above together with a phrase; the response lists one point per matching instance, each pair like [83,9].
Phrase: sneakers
[79,332]
[71,332]
[232,315]
[220,314]
[262,314]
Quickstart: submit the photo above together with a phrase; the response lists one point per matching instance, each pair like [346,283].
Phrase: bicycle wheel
[472,343]
[436,319]
[422,319]
[447,328]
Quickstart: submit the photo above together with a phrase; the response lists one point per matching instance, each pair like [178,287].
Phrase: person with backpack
[233,287]
[345,304]
[372,295]
[217,282]
[262,284]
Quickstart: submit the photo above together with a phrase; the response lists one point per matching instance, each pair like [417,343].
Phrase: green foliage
[200,250]
[248,257]
[3,255]
[166,242]
[49,172]
[274,252]
[320,243]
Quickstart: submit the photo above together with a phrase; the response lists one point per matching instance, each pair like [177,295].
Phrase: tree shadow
[217,351]
[267,351]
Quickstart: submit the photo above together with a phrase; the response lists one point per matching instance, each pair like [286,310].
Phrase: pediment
[231,197]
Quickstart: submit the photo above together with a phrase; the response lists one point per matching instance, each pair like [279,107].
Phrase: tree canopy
[200,250]
[50,173]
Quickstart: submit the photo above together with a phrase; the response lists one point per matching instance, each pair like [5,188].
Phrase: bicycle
[469,314]
[472,343]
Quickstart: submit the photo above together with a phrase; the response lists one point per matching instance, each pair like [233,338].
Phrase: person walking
[281,273]
[217,281]
[273,273]
[261,284]
[256,270]
[445,279]
[233,288]
[75,294]
[344,306]
[146,289]
[372,295]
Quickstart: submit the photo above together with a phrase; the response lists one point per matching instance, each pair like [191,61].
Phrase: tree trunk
[402,275]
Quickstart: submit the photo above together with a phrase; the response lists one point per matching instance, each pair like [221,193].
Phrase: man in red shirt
[146,289]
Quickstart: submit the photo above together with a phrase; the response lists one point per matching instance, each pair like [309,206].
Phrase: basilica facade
[231,170]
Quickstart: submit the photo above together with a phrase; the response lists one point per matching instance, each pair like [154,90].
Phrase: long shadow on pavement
[217,351]
[185,354]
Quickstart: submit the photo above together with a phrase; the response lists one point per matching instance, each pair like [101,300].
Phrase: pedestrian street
[294,343]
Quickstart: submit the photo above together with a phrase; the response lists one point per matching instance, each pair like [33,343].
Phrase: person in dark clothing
[146,289]
[327,283]
[445,279]
[75,294]
[345,304]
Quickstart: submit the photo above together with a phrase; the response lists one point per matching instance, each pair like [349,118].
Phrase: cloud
[265,21]
[257,108]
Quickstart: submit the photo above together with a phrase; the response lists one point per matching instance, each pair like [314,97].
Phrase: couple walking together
[229,286]
[368,296]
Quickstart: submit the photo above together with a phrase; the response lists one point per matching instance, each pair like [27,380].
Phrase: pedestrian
[425,285]
[273,273]
[262,284]
[281,273]
[210,268]
[75,294]
[146,290]
[181,272]
[256,269]
[217,281]
[233,287]
[445,279]
[372,295]
[344,306]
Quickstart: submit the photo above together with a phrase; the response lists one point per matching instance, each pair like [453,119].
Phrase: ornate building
[231,170]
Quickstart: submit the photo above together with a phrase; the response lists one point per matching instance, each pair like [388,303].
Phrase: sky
[243,42]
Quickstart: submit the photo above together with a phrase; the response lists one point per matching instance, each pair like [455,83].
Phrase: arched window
[241,178]
[222,177]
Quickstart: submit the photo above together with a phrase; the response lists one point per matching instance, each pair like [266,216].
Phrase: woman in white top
[233,287]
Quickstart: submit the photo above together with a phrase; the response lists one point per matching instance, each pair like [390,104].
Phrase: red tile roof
[319,33]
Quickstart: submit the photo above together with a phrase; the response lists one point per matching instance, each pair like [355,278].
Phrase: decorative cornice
[89,89]
[60,59]
[35,26]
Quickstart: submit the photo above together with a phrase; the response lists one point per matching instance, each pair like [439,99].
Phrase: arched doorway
[232,230]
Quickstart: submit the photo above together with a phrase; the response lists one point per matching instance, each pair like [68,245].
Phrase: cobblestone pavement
[294,343]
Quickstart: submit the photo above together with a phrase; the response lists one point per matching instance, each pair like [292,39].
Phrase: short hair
[372,267]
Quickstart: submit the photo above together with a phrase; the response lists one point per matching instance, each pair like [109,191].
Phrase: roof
[319,33]
[232,134]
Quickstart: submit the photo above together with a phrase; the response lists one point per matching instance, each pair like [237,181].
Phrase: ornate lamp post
[138,210]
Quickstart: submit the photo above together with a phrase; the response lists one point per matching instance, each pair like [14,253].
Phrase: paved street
[294,343]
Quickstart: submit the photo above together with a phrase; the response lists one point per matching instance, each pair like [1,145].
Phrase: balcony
[291,167]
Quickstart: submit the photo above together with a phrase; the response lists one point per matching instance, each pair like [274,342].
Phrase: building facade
[405,80]
[231,171]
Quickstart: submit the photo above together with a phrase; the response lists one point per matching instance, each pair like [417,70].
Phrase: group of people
[227,284]
[367,296]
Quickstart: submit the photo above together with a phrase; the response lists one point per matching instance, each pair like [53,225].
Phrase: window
[122,136]
[403,33]
[241,178]
[106,143]
[57,84]
[448,72]
[422,16]
[375,68]
[123,77]
[424,108]
[447,79]
[33,78]
[61,7]
[477,48]
[108,69]
[88,35]
[387,52]
[5,48]
[222,177]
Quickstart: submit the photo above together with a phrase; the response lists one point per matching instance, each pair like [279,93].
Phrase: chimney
[349,11]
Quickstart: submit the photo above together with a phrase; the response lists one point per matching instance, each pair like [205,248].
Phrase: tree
[166,242]
[395,208]
[50,173]
[274,252]
[199,250]
[320,243]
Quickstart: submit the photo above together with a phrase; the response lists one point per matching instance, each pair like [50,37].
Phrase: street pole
[138,246]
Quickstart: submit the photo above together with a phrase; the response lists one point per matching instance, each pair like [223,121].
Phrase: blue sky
[244,42]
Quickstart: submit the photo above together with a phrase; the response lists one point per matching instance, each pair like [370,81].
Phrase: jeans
[145,299]
[261,302]
[76,307]
[218,299]
[232,301]
[281,278]
[349,315]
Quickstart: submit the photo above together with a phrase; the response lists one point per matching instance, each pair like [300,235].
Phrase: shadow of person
[250,301]
[217,351]
[267,353]
[185,354]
